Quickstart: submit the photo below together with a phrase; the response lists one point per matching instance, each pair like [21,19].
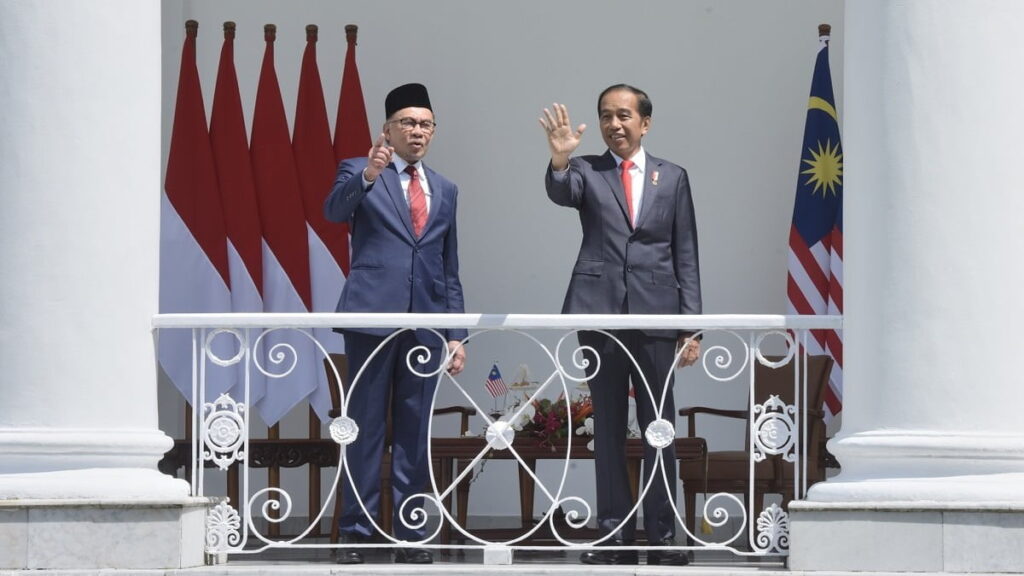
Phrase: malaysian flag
[815,283]
[495,385]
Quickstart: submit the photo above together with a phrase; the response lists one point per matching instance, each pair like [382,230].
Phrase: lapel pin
[654,178]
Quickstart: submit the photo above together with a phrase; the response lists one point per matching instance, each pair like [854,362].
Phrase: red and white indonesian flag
[351,128]
[241,211]
[328,242]
[194,273]
[286,279]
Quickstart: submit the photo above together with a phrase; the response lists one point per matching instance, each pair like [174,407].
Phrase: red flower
[556,420]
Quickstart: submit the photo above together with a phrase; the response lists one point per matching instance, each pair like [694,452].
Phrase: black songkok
[406,96]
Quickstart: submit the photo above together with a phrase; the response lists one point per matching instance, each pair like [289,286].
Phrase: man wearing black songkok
[404,259]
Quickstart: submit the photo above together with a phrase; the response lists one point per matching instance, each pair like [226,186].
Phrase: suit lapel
[394,186]
[437,196]
[610,173]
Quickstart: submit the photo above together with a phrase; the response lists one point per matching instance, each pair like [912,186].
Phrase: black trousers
[609,386]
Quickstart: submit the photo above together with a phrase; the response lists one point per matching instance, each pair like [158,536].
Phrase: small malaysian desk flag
[495,385]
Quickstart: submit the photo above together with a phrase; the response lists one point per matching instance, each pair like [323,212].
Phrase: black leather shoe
[610,557]
[413,556]
[657,557]
[349,555]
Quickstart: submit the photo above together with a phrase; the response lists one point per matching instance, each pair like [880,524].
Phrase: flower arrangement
[549,420]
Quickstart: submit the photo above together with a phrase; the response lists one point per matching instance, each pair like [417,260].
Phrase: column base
[96,484]
[92,534]
[906,537]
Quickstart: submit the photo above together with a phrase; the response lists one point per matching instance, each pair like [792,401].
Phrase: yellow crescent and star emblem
[826,168]
[825,165]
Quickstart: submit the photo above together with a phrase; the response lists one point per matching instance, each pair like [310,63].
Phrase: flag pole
[495,409]
[504,400]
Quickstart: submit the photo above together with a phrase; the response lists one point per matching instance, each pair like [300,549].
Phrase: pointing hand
[378,158]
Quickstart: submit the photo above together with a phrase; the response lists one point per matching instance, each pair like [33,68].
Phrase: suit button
[629,268]
[410,279]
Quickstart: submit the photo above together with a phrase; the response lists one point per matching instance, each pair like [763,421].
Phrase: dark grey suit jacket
[652,269]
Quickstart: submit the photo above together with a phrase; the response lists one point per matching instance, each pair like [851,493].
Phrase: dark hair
[643,101]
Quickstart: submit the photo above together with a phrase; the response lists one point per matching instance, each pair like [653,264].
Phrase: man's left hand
[458,357]
[691,350]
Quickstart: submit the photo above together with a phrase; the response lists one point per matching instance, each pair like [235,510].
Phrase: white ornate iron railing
[734,346]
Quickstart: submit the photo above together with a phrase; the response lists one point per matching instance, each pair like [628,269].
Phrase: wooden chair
[340,363]
[727,471]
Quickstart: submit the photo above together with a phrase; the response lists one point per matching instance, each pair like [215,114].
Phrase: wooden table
[453,455]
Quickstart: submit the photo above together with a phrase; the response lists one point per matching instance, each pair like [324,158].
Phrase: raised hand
[378,158]
[562,139]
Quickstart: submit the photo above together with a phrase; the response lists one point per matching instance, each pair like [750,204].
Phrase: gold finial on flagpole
[824,30]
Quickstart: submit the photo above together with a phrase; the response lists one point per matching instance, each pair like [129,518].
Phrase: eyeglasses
[410,124]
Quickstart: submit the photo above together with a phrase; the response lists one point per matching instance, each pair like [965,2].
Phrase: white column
[932,446]
[80,195]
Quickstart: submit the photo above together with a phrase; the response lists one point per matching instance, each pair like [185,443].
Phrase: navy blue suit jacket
[650,269]
[392,270]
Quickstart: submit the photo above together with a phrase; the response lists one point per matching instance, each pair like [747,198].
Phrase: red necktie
[417,201]
[627,185]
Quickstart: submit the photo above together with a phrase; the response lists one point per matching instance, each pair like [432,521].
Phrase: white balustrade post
[80,187]
[932,444]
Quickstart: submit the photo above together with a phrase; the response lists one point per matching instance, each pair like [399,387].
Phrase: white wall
[729,81]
